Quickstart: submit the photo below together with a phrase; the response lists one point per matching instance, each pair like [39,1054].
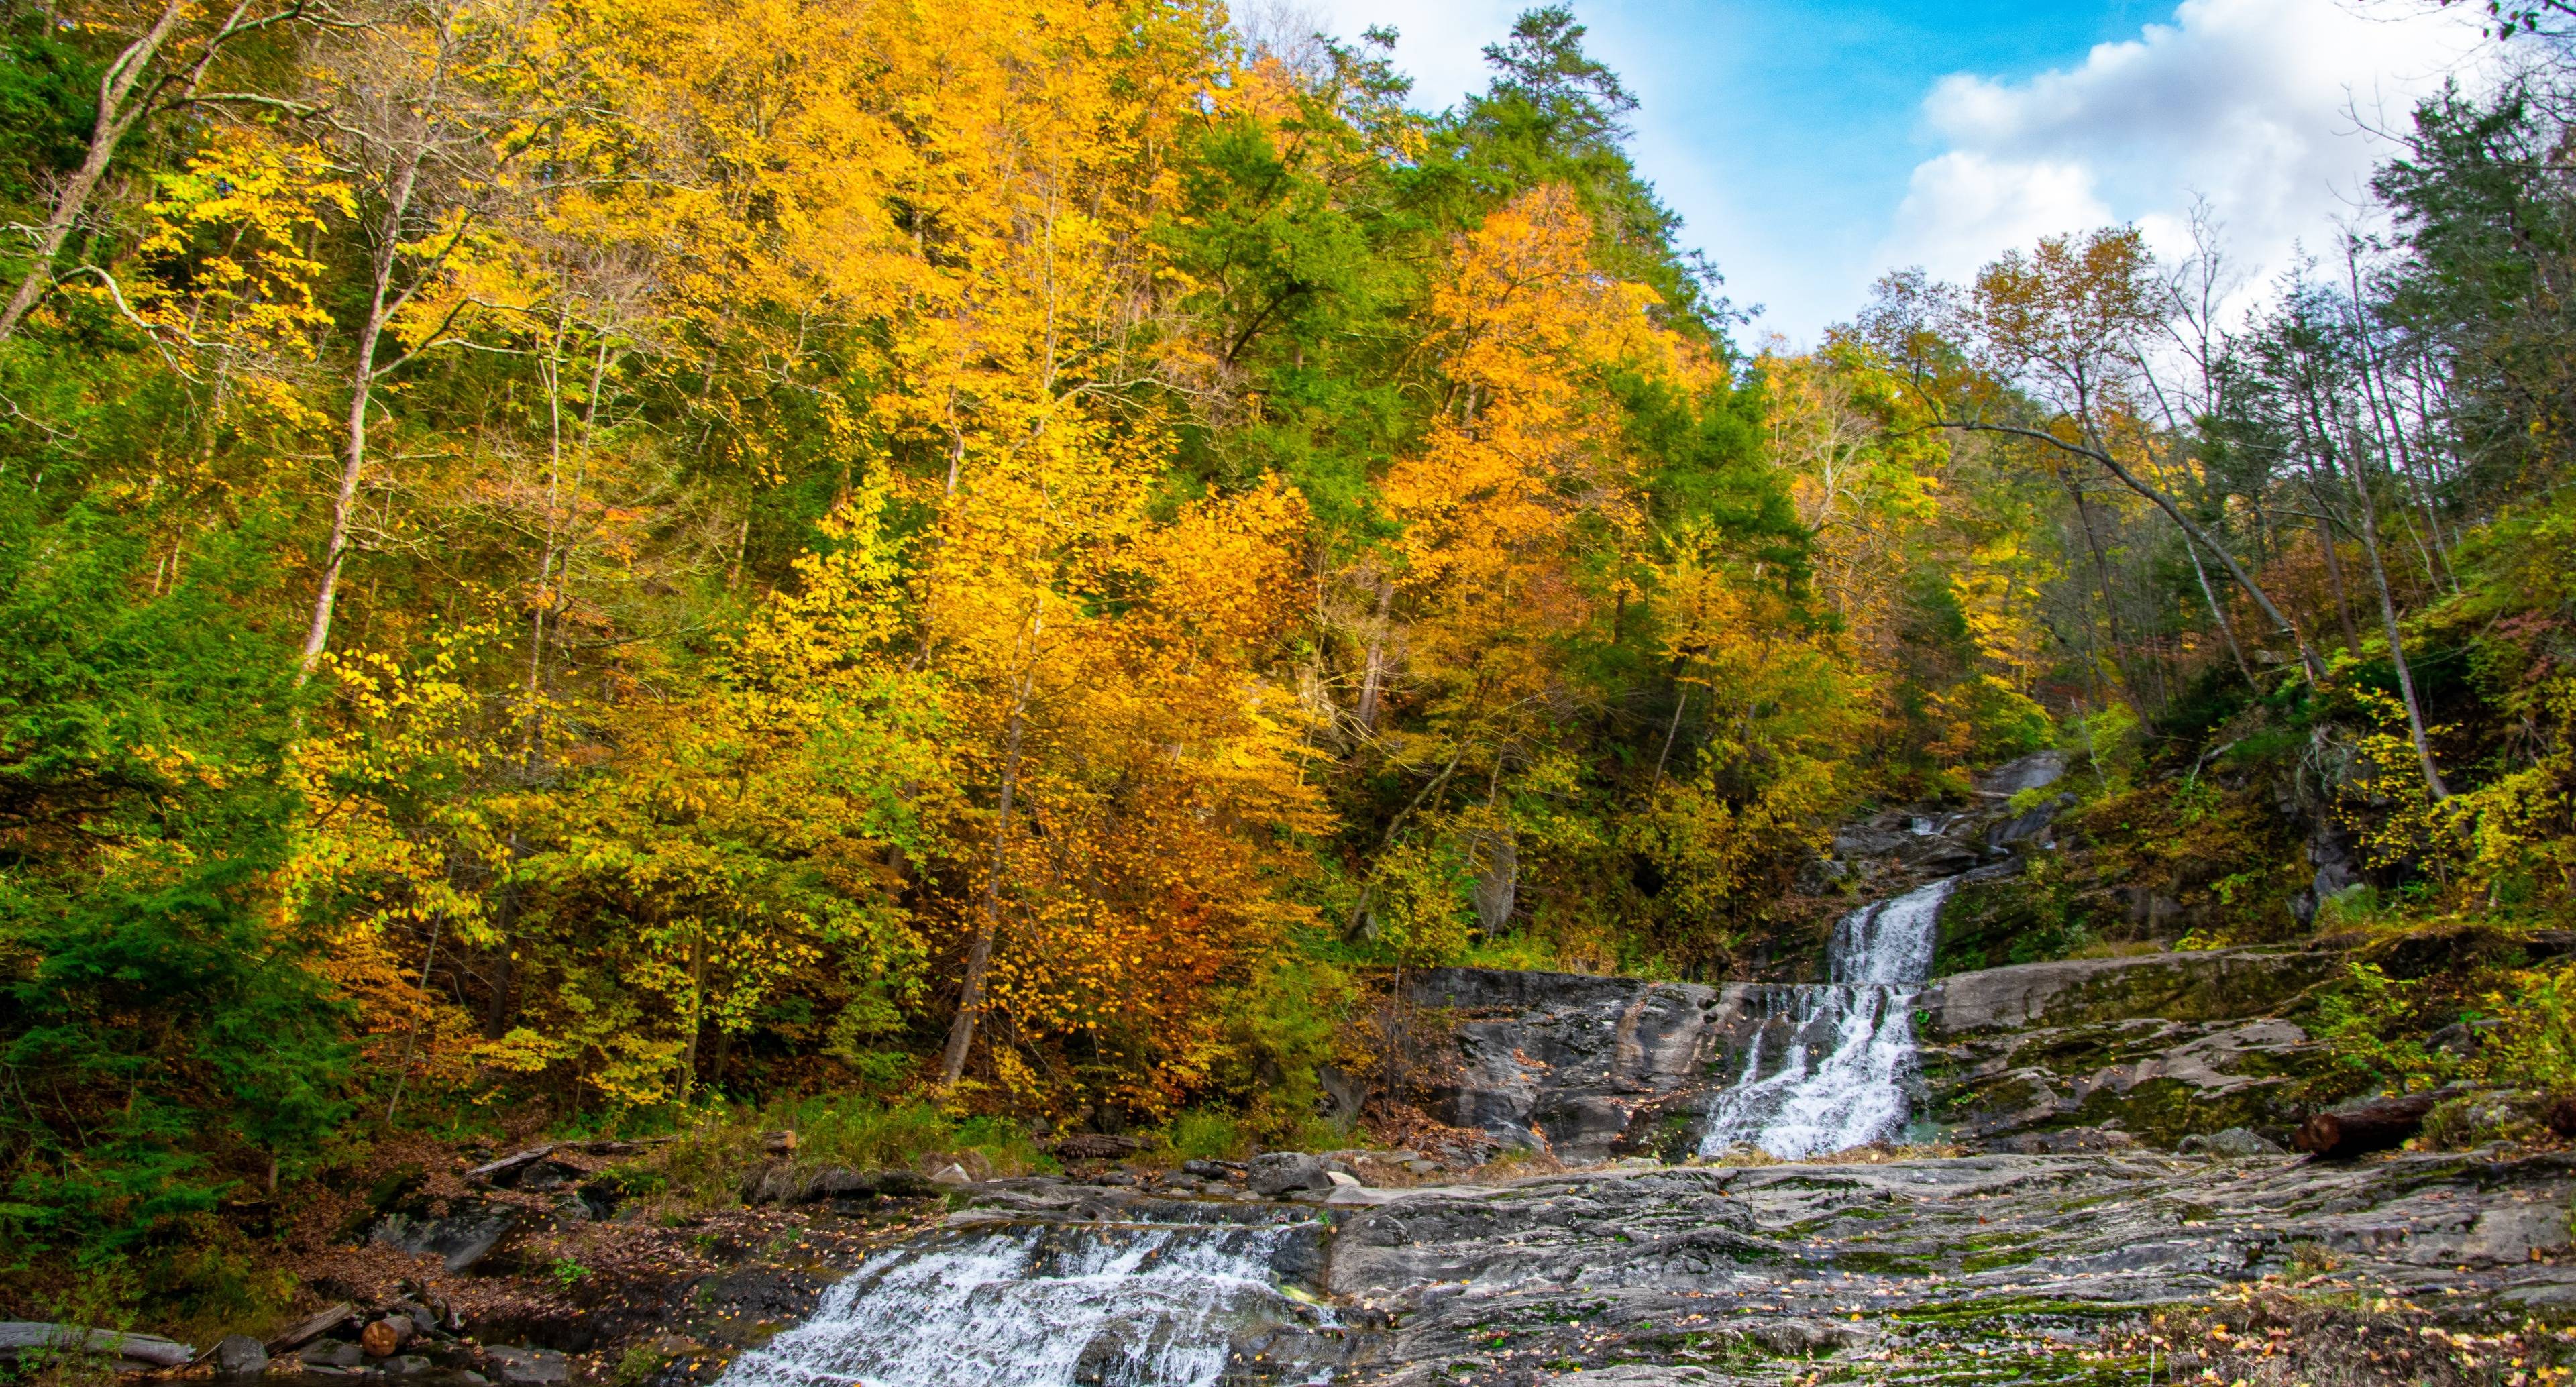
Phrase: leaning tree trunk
[118,110]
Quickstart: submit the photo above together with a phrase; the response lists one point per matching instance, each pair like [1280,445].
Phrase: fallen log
[1092,1146]
[313,1327]
[2358,1129]
[22,1336]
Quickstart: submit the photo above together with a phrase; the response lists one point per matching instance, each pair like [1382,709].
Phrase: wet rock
[784,1184]
[2238,1142]
[2028,824]
[528,1367]
[404,1365]
[1640,1375]
[2066,1140]
[1798,1338]
[1577,1066]
[332,1353]
[1275,1173]
[537,1170]
[2037,771]
[240,1355]
[460,1240]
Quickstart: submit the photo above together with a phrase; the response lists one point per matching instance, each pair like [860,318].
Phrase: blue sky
[1813,145]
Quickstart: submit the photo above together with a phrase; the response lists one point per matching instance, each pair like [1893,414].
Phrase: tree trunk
[2334,581]
[1373,674]
[1671,731]
[697,1008]
[2219,614]
[2102,575]
[362,382]
[2388,624]
[979,955]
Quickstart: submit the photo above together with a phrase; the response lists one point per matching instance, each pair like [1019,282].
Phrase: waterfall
[1848,1060]
[1042,1305]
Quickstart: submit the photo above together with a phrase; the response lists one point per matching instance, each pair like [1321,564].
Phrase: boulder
[2066,1141]
[332,1353]
[460,1240]
[403,1365]
[2037,771]
[240,1355]
[2240,1143]
[528,1367]
[1274,1173]
[784,1184]
[539,1170]
[2028,824]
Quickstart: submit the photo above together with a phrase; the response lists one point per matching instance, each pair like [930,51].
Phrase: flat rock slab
[1723,1271]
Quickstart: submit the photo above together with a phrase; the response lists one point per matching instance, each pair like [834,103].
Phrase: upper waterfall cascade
[1842,1062]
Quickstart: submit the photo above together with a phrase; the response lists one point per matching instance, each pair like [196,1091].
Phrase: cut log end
[2361,1128]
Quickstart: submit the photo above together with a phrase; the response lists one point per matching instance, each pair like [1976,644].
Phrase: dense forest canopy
[592,564]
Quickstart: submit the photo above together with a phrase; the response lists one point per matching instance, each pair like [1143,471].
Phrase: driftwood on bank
[23,1336]
[313,1327]
[2361,1128]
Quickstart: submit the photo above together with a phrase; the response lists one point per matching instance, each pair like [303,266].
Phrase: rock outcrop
[1567,1063]
[2164,1046]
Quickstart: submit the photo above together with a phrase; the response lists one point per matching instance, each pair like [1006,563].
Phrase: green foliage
[2375,1026]
[1202,1134]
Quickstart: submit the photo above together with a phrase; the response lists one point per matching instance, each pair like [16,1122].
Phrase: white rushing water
[1842,1075]
[1037,1306]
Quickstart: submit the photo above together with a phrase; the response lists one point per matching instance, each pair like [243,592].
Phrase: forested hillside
[613,567]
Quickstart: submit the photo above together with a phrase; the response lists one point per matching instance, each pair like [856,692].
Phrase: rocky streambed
[1999,1267]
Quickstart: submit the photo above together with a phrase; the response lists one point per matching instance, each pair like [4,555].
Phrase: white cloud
[2251,103]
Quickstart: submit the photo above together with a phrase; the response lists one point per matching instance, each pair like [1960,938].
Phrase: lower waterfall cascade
[1846,1065]
[1041,1305]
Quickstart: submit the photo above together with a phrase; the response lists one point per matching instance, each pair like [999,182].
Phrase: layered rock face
[2163,1047]
[1580,1067]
